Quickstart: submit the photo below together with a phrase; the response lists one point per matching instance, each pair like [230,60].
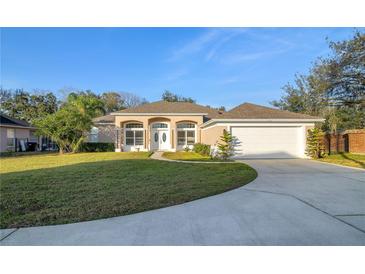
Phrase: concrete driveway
[292,202]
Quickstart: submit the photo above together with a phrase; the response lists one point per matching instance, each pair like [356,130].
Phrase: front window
[94,135]
[185,134]
[134,135]
[10,134]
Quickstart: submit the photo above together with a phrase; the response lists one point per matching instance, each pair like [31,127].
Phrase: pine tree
[226,146]
[315,145]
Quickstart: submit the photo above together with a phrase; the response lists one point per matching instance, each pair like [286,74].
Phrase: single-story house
[260,132]
[18,135]
[15,134]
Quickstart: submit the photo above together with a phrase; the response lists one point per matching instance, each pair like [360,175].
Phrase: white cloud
[210,40]
[240,57]
[233,33]
[175,75]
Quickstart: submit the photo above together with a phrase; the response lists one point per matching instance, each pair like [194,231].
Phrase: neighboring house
[260,132]
[15,135]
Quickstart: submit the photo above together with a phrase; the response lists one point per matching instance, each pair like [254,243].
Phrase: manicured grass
[188,156]
[53,189]
[346,159]
[48,160]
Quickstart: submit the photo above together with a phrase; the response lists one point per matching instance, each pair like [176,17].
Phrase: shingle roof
[104,119]
[252,111]
[172,107]
[243,111]
[7,120]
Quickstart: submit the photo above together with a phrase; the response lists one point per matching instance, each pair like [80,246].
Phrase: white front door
[160,139]
[160,136]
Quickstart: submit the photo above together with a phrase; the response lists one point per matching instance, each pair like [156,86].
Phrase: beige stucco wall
[120,121]
[19,133]
[210,136]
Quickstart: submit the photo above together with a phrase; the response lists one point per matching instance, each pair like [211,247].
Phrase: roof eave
[156,114]
[271,120]
[17,126]
[104,123]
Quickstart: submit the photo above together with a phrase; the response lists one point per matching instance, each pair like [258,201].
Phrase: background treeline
[30,106]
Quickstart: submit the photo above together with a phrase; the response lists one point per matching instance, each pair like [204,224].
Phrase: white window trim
[12,147]
[134,136]
[185,130]
[94,135]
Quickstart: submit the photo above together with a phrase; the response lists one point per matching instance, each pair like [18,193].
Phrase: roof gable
[164,107]
[7,120]
[106,119]
[252,111]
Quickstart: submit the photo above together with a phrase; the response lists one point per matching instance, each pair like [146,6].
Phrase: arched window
[186,134]
[134,134]
[159,125]
[186,125]
[134,125]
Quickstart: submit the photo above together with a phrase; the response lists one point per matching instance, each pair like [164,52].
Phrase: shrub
[226,146]
[7,153]
[315,145]
[97,147]
[202,149]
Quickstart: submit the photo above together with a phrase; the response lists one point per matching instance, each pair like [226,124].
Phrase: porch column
[146,134]
[172,136]
[118,139]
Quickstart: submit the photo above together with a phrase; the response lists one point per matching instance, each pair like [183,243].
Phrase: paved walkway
[292,202]
[157,155]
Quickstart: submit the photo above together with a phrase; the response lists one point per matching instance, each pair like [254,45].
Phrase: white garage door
[268,142]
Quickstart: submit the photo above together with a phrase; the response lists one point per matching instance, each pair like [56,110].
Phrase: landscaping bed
[57,189]
[189,156]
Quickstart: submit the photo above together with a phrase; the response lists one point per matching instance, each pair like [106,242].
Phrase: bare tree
[131,100]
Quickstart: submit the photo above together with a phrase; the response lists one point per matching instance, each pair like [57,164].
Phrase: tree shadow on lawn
[89,191]
[362,164]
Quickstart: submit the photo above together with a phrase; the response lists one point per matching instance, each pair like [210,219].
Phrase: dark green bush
[97,147]
[7,153]
[202,149]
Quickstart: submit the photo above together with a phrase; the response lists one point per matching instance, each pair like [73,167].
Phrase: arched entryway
[160,136]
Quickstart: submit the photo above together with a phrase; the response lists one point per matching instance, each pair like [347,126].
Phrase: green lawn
[54,189]
[188,156]
[346,159]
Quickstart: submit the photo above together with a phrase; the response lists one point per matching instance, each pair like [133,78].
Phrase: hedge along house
[260,132]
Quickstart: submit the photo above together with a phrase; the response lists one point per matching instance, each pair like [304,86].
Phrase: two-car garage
[269,141]
[262,132]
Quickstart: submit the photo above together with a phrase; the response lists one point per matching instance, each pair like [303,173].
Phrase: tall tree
[69,126]
[112,101]
[171,97]
[346,71]
[131,100]
[334,87]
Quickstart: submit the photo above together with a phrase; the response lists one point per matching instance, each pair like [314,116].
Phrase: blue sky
[215,66]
